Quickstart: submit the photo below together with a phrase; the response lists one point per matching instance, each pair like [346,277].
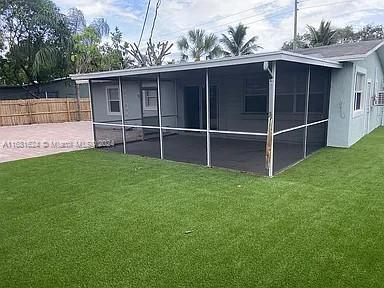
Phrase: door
[192,107]
[213,108]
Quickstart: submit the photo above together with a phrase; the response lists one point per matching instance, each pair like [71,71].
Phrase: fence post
[78,100]
[29,111]
[68,112]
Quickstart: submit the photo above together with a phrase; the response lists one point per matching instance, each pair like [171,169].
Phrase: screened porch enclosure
[242,117]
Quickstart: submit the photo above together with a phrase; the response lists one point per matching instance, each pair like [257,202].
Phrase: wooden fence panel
[37,111]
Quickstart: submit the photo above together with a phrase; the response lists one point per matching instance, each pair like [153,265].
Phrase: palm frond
[45,57]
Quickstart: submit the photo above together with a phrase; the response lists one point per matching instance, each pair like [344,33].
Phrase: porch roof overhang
[230,61]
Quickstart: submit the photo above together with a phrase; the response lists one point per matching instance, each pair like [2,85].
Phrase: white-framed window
[113,100]
[359,93]
[149,99]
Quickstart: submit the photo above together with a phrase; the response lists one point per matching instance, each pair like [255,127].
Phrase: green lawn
[94,219]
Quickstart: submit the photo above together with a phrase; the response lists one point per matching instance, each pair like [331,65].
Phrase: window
[113,101]
[149,99]
[256,95]
[359,92]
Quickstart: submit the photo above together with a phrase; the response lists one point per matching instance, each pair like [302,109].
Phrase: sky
[270,20]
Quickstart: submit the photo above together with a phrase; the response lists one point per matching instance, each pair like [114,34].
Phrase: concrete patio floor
[27,141]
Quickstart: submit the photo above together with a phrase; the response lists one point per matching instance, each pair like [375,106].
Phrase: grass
[94,219]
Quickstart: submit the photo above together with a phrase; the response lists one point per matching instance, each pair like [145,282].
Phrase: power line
[221,18]
[236,13]
[271,16]
[258,20]
[154,18]
[323,5]
[145,21]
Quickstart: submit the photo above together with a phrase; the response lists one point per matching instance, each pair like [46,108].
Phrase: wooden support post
[78,101]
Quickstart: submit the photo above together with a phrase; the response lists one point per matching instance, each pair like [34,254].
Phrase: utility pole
[295,27]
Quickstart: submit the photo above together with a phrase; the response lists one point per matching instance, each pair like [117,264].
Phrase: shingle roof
[343,51]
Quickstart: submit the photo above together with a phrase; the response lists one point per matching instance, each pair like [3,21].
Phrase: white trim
[145,107]
[359,112]
[107,98]
[374,49]
[122,114]
[208,116]
[300,127]
[238,133]
[183,129]
[271,119]
[160,115]
[307,110]
[229,61]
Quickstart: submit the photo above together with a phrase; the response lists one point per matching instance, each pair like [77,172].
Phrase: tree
[235,43]
[154,54]
[116,55]
[345,35]
[322,36]
[370,32]
[101,27]
[302,42]
[86,54]
[197,44]
[76,20]
[37,42]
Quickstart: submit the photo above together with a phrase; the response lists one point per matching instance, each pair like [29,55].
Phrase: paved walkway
[27,141]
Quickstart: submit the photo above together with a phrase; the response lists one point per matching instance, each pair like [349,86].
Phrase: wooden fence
[36,111]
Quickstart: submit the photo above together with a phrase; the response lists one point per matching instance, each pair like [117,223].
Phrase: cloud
[270,20]
[108,9]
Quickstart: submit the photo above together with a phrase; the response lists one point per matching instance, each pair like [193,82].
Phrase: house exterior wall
[65,88]
[340,106]
[371,117]
[345,127]
[133,111]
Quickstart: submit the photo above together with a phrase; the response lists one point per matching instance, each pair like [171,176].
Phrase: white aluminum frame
[269,134]
[122,114]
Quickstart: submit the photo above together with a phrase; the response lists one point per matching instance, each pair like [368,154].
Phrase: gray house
[260,113]
[57,88]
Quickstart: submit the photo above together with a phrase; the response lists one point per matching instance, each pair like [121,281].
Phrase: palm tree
[199,44]
[101,27]
[235,43]
[76,20]
[322,36]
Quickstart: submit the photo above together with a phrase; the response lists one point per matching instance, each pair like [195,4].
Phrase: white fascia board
[230,61]
[374,49]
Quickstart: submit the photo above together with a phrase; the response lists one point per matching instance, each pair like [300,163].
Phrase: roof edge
[222,62]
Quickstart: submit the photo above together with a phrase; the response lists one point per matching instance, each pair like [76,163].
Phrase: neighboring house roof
[30,84]
[344,52]
[229,61]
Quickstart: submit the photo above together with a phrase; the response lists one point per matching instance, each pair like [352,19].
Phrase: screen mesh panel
[291,89]
[190,147]
[319,91]
[239,152]
[317,137]
[239,98]
[143,141]
[288,149]
[109,138]
[182,99]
